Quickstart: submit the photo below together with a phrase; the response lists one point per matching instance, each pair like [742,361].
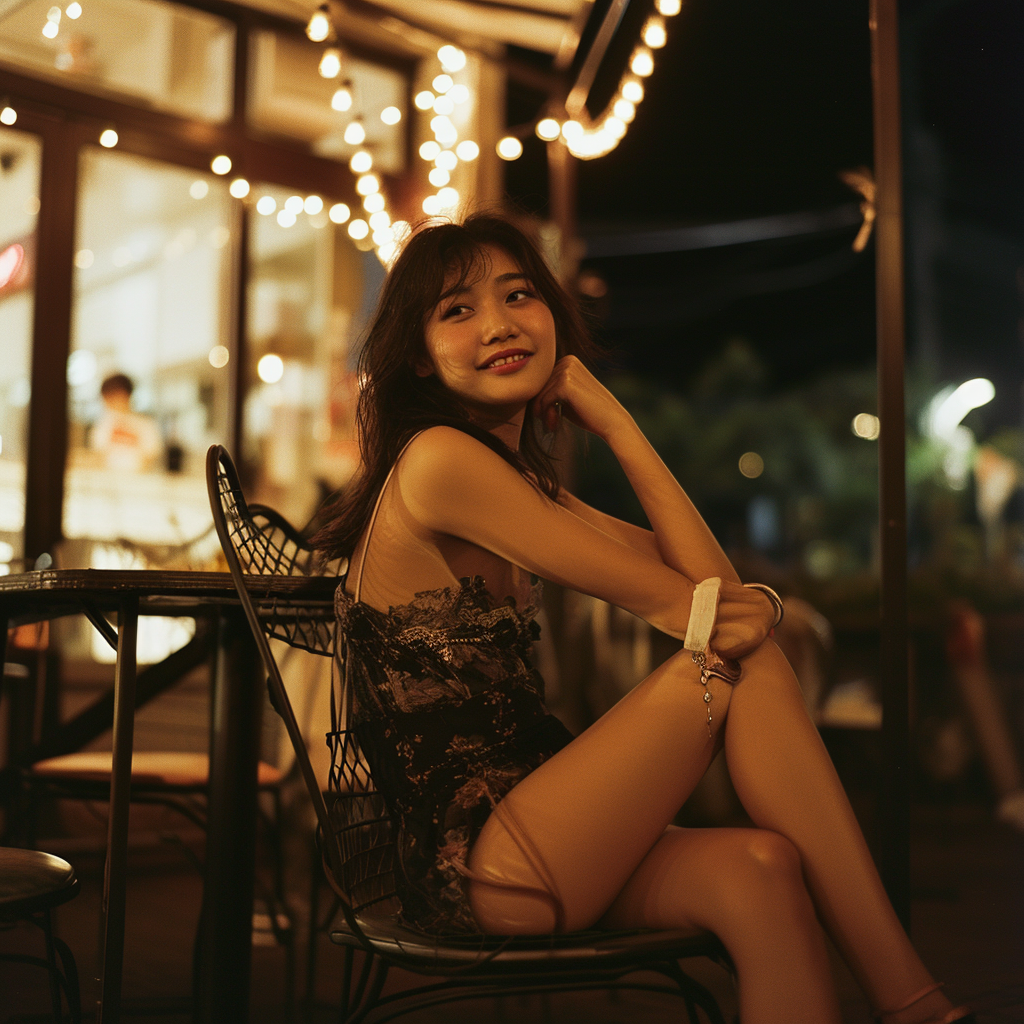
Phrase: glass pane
[19,207]
[155,54]
[290,97]
[310,292]
[152,294]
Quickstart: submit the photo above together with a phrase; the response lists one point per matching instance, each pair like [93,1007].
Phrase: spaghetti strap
[376,509]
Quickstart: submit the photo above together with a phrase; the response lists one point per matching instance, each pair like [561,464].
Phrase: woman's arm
[635,537]
[452,484]
[683,539]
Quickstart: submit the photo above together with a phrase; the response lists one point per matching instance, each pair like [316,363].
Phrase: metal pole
[894,795]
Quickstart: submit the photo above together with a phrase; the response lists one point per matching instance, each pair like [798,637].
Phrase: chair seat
[149,767]
[31,880]
[573,950]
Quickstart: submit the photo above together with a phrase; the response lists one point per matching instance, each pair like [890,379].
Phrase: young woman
[506,823]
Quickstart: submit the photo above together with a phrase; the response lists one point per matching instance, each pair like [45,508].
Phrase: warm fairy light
[294,205]
[312,205]
[387,252]
[319,25]
[374,202]
[286,218]
[381,237]
[330,63]
[654,34]
[219,164]
[198,189]
[669,8]
[571,130]
[451,58]
[401,229]
[867,426]
[355,133]
[642,62]
[446,160]
[358,229]
[442,83]
[615,126]
[459,93]
[438,177]
[448,197]
[444,131]
[361,162]
[342,99]
[239,188]
[52,26]
[509,148]
[751,465]
[467,150]
[84,259]
[624,111]
[73,10]
[632,90]
[339,213]
[380,220]
[270,368]
[266,205]
[391,115]
[548,129]
[431,206]
[424,100]
[367,183]
[219,357]
[108,138]
[8,115]
[429,150]
[444,105]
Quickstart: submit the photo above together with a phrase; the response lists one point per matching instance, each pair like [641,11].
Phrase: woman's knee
[772,857]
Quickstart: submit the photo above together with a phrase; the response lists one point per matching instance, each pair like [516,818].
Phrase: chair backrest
[355,830]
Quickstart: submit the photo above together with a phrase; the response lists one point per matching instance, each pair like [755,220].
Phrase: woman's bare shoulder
[441,450]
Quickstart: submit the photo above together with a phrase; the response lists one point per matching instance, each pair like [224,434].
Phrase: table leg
[225,941]
[115,870]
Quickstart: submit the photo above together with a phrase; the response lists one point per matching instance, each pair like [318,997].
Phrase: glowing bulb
[367,183]
[442,83]
[286,218]
[642,62]
[429,150]
[358,229]
[509,148]
[220,164]
[319,25]
[451,58]
[339,213]
[382,236]
[447,197]
[624,110]
[865,425]
[431,206]
[198,189]
[266,205]
[313,205]
[330,63]
[219,357]
[654,33]
[444,131]
[548,129]
[438,177]
[467,150]
[632,90]
[73,10]
[361,162]
[108,138]
[669,8]
[341,100]
[446,160]
[387,253]
[294,204]
[424,100]
[459,93]
[8,115]
[444,105]
[391,115]
[239,188]
[355,133]
[374,202]
[379,220]
[751,465]
[270,368]
[50,29]
[572,130]
[614,126]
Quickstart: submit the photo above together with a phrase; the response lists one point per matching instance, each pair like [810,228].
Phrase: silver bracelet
[772,596]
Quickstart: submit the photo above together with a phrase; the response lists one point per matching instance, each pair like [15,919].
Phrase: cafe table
[225,936]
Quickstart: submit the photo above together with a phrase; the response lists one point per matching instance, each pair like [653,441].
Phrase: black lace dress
[449,713]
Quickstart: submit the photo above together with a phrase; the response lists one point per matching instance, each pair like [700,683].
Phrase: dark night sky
[752,110]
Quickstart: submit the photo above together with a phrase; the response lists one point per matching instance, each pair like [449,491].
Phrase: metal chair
[357,843]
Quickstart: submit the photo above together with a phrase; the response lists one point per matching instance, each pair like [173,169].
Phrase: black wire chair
[357,842]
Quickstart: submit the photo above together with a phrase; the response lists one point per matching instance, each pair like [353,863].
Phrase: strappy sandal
[958,1015]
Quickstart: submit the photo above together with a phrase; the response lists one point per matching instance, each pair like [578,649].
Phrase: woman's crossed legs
[595,818]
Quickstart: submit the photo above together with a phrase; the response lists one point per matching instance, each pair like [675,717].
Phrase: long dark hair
[394,403]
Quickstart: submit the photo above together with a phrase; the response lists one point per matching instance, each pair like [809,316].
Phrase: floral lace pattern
[449,713]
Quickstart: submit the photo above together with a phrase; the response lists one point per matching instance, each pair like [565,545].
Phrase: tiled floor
[968,923]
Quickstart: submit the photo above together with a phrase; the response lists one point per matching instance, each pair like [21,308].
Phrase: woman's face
[492,342]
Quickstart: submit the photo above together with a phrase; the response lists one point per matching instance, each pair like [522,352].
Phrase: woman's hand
[745,618]
[575,393]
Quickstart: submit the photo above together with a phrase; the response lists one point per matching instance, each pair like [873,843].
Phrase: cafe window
[159,55]
[19,207]
[148,373]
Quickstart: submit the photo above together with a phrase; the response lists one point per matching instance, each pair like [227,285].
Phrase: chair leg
[372,993]
[54,971]
[67,959]
[312,930]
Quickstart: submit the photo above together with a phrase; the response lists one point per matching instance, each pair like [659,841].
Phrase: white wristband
[703,612]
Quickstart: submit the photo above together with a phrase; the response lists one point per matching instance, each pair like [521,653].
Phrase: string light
[654,34]
[355,133]
[73,10]
[642,62]
[367,184]
[467,150]
[358,228]
[391,115]
[312,205]
[451,58]
[339,213]
[8,115]
[509,148]
[342,98]
[361,162]
[108,138]
[330,63]
[319,26]
[424,100]
[446,160]
[219,164]
[239,188]
[266,205]
[548,129]
[669,8]
[429,150]
[374,202]
[52,26]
